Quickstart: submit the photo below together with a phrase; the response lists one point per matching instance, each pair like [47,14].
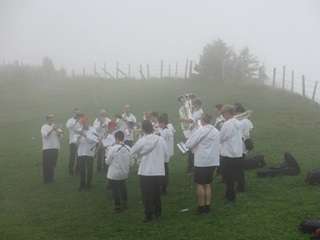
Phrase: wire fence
[293,81]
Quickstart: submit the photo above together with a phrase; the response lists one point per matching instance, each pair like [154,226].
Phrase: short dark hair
[119,135]
[147,126]
[239,108]
[219,106]
[207,118]
[197,102]
[164,118]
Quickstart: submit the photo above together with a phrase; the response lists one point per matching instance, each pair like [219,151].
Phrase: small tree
[220,62]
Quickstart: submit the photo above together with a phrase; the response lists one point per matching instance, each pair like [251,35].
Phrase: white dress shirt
[87,143]
[246,127]
[100,126]
[153,153]
[231,139]
[205,143]
[167,135]
[49,141]
[119,161]
[73,127]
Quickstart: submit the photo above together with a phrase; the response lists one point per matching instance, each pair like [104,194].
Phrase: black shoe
[117,209]
[200,210]
[206,209]
[147,220]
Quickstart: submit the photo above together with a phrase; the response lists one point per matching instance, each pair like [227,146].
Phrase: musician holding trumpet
[190,113]
[51,135]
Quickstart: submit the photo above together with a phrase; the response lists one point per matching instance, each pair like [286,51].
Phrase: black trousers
[231,171]
[73,159]
[151,195]
[165,182]
[119,191]
[86,170]
[100,158]
[241,182]
[190,162]
[49,162]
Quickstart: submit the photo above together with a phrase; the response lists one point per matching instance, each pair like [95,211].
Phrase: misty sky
[76,33]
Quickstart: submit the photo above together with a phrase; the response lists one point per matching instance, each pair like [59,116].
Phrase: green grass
[271,209]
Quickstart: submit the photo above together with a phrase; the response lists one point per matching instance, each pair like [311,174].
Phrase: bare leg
[208,194]
[201,195]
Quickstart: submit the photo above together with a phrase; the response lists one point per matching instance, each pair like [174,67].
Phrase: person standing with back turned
[231,151]
[152,151]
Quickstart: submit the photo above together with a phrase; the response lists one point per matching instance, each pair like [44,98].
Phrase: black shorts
[203,175]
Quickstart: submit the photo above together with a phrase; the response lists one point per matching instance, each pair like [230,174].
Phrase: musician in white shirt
[73,127]
[50,148]
[118,159]
[168,136]
[152,151]
[130,121]
[205,143]
[195,124]
[100,124]
[231,151]
[246,127]
[87,143]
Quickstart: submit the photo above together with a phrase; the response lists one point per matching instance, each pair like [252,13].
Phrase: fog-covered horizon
[75,33]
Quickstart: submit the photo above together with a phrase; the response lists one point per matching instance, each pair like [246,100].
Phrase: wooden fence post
[83,72]
[292,81]
[314,91]
[169,71]
[141,73]
[274,77]
[117,70]
[161,70]
[186,70]
[176,72]
[190,69]
[129,71]
[148,71]
[284,77]
[303,86]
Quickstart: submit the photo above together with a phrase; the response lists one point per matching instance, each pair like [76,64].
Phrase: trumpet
[243,115]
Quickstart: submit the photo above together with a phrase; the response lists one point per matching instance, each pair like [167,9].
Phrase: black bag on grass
[254,162]
[309,226]
[288,167]
[249,144]
[313,177]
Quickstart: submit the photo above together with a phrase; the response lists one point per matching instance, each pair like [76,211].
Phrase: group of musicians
[119,142]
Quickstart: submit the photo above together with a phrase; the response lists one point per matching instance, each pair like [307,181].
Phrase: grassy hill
[271,209]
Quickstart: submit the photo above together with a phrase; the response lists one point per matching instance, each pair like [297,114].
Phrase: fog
[77,33]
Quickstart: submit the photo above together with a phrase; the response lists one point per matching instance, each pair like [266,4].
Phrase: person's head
[147,116]
[206,119]
[147,127]
[76,113]
[163,120]
[126,108]
[219,107]
[154,116]
[238,108]
[119,136]
[84,121]
[181,99]
[197,103]
[227,111]
[112,125]
[103,113]
[50,118]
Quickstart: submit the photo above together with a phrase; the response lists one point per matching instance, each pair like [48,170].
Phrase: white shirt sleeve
[194,139]
[109,157]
